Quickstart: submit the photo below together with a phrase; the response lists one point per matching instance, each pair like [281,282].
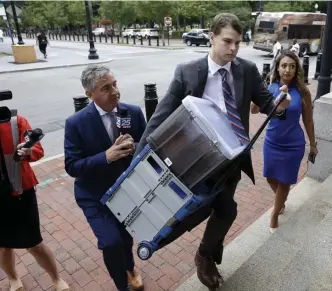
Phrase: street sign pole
[168,23]
[9,27]
[167,35]
[19,36]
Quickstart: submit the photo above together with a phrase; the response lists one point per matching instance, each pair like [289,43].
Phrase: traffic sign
[17,9]
[168,21]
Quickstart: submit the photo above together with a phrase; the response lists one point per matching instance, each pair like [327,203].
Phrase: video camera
[5,113]
[5,116]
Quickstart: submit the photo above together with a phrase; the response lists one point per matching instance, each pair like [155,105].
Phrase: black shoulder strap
[4,178]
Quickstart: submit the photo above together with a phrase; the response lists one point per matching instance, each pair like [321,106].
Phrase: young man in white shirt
[231,83]
[295,47]
[1,35]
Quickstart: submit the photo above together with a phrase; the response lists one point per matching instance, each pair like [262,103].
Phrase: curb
[55,67]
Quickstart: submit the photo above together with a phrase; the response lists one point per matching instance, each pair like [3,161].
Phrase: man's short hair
[223,20]
[92,74]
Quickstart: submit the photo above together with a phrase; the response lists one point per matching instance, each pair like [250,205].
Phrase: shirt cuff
[108,162]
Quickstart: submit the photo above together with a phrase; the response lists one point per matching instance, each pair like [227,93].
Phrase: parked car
[198,30]
[146,32]
[131,32]
[99,31]
[197,39]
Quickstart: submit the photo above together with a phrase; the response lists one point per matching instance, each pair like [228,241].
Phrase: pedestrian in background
[42,42]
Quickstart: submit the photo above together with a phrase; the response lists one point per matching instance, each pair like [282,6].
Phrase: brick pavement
[67,233]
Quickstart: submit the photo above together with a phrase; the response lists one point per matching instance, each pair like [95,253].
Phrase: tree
[2,22]
[44,14]
[75,12]
[119,12]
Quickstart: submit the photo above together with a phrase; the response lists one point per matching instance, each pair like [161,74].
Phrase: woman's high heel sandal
[273,224]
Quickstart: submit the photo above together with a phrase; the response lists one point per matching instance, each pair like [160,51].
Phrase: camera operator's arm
[36,152]
[77,165]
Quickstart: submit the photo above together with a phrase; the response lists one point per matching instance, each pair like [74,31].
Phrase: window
[304,31]
[266,26]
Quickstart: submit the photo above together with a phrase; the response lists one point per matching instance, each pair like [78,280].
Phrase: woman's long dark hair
[299,74]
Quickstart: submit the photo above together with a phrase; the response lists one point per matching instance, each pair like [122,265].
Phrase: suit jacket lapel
[203,70]
[237,72]
[98,125]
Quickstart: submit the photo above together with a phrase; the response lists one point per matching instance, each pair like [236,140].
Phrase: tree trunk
[178,25]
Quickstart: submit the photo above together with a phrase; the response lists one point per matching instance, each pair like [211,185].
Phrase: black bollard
[151,99]
[318,64]
[141,40]
[127,39]
[80,102]
[266,70]
[305,66]
[149,40]
[118,38]
[134,39]
[157,40]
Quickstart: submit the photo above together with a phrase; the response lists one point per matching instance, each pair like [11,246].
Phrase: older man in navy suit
[99,143]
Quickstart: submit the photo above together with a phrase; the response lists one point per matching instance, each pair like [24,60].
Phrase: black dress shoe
[207,271]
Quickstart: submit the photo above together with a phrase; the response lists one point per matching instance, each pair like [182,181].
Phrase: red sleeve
[37,151]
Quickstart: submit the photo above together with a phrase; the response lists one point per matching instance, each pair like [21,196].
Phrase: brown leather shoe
[135,280]
[207,271]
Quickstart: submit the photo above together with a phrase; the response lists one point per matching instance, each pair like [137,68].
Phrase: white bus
[306,27]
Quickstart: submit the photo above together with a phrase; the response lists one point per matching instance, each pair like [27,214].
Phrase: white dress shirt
[213,88]
[276,49]
[106,120]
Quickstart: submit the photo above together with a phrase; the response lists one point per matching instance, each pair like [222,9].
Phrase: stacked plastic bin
[154,194]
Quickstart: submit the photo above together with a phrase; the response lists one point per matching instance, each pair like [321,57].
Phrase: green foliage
[62,13]
[53,14]
[75,11]
[294,6]
[119,12]
[2,22]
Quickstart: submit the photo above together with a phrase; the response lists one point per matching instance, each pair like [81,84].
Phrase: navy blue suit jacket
[86,141]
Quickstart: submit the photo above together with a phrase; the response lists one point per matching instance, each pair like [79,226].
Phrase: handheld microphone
[31,137]
[123,120]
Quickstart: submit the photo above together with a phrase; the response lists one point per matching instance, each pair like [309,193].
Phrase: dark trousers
[42,48]
[220,221]
[117,260]
[114,241]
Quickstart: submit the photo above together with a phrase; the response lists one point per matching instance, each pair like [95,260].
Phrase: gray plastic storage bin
[195,140]
[135,185]
[146,220]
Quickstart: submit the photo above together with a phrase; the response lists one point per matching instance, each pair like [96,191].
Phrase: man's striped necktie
[232,113]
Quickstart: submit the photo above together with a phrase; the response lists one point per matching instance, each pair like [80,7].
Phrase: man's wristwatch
[313,145]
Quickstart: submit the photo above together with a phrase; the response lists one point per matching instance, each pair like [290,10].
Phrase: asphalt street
[45,97]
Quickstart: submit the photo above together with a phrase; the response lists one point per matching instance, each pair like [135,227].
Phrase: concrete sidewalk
[55,60]
[66,231]
[296,257]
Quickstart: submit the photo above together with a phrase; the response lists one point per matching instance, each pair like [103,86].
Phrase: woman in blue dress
[284,143]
